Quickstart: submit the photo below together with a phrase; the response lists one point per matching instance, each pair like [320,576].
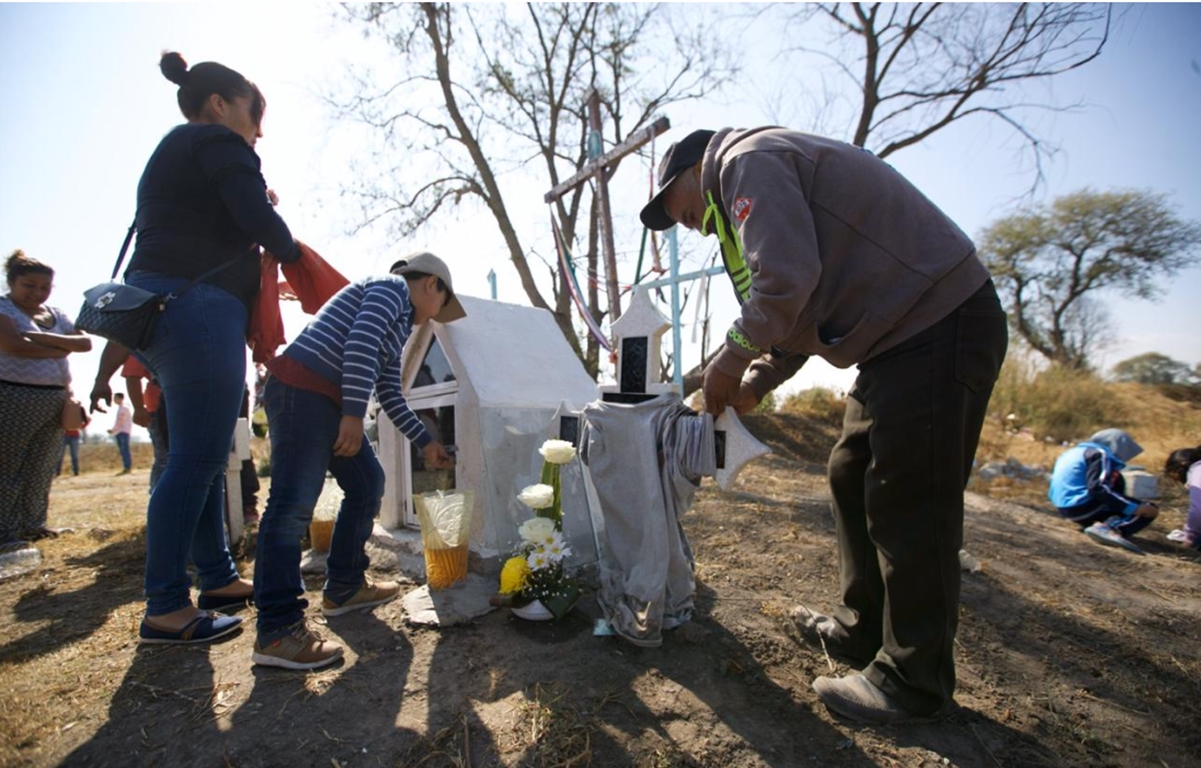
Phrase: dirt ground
[1068,654]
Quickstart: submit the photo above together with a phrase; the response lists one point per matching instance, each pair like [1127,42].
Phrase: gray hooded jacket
[848,258]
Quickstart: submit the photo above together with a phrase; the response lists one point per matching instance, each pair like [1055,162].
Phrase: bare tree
[1051,263]
[495,94]
[915,69]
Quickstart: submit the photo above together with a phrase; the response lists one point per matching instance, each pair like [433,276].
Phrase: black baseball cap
[680,157]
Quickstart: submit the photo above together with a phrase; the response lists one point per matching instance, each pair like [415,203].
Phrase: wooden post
[598,169]
[604,214]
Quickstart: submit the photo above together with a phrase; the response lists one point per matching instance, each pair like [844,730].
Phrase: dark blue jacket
[202,202]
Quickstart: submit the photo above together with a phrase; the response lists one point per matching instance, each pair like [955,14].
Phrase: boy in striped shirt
[315,398]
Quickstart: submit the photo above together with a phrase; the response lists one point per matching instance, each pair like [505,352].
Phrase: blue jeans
[303,426]
[71,443]
[158,440]
[122,439]
[198,355]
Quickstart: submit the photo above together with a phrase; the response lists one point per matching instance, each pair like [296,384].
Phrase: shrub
[1054,401]
[767,404]
[817,403]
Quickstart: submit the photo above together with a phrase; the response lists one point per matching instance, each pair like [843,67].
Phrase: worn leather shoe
[856,698]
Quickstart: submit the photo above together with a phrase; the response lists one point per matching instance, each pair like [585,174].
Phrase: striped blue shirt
[355,342]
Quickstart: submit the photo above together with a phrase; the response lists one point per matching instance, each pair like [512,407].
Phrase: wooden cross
[598,169]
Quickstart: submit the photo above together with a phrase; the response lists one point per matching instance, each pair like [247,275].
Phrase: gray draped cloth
[646,461]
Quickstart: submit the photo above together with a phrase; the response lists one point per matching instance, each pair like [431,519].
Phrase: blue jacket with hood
[1084,474]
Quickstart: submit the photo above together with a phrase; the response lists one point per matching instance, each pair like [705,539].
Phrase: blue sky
[86,105]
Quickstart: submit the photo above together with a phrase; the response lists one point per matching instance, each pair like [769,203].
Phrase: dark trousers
[303,427]
[897,475]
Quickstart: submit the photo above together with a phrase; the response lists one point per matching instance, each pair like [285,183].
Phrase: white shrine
[491,386]
[639,333]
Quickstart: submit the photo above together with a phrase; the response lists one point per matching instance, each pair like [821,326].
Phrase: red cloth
[294,374]
[151,396]
[265,332]
[311,279]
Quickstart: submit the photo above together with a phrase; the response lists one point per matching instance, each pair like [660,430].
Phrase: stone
[460,604]
[1141,484]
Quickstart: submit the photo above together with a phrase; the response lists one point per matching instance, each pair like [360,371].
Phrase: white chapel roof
[515,356]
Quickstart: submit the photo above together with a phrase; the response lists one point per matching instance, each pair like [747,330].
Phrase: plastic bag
[445,520]
[325,514]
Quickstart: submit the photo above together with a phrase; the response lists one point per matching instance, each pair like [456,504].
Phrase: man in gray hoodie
[834,253]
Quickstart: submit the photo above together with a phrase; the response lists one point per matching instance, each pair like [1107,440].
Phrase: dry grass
[104,457]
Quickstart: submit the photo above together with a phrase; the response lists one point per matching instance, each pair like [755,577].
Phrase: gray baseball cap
[424,261]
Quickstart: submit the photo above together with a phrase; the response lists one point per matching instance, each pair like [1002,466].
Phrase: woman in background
[35,340]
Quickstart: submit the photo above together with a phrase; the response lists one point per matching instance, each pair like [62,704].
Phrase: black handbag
[124,313]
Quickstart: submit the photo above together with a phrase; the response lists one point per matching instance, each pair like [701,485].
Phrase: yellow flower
[513,575]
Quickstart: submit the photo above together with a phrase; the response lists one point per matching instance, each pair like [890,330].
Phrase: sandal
[204,628]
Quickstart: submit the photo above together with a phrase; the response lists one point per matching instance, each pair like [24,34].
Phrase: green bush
[767,404]
[1054,401]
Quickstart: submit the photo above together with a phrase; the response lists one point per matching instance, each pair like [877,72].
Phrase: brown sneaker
[301,649]
[369,595]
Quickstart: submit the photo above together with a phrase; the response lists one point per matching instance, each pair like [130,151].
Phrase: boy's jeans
[303,426]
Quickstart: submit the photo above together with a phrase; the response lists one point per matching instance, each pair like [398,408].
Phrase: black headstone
[569,429]
[634,351]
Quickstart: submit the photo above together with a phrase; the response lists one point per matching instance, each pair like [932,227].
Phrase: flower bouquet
[533,581]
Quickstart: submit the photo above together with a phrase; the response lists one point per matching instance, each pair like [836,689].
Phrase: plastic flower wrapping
[536,569]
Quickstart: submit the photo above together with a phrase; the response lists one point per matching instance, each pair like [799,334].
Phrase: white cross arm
[741,447]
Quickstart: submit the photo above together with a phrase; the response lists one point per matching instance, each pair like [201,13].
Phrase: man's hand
[436,456]
[101,391]
[720,390]
[350,436]
[1148,510]
[141,417]
[745,401]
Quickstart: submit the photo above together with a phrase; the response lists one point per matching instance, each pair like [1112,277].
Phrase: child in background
[1184,466]
[1087,487]
[315,398]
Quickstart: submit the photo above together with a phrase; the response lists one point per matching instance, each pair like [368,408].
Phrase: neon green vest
[735,263]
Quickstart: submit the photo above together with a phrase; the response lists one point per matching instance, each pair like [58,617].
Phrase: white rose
[537,496]
[536,529]
[557,451]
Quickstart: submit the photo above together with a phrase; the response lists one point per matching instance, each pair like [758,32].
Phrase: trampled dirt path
[1068,654]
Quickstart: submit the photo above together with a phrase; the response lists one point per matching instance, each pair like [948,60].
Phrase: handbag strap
[124,247]
[175,294]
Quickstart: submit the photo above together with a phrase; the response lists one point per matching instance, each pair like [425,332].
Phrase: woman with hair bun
[202,206]
[35,340]
[1184,466]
